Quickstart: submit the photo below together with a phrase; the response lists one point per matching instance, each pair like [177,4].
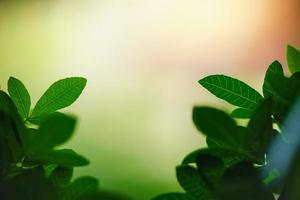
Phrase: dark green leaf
[229,157]
[211,169]
[218,126]
[20,96]
[32,185]
[38,120]
[291,188]
[17,126]
[232,90]
[105,195]
[242,182]
[59,95]
[80,187]
[174,196]
[274,68]
[54,130]
[191,181]
[49,169]
[64,158]
[241,113]
[260,131]
[61,176]
[293,59]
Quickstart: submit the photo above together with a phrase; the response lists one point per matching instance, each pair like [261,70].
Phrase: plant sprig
[31,166]
[237,164]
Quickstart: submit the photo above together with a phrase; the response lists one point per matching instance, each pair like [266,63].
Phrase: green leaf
[242,182]
[232,90]
[49,169]
[81,186]
[174,196]
[20,96]
[260,131]
[274,69]
[54,130]
[17,126]
[10,149]
[61,176]
[293,59]
[59,95]
[229,157]
[38,120]
[191,181]
[241,113]
[64,158]
[218,126]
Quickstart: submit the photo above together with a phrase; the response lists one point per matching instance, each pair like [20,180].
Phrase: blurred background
[142,59]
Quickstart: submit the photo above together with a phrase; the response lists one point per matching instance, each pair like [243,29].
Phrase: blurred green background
[142,59]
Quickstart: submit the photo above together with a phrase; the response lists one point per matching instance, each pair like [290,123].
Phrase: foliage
[31,165]
[246,162]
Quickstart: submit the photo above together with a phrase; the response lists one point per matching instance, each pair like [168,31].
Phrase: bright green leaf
[59,95]
[232,90]
[54,130]
[293,59]
[20,96]
[191,181]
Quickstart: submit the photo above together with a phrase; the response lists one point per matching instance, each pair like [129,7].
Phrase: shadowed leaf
[174,196]
[191,181]
[64,158]
[54,130]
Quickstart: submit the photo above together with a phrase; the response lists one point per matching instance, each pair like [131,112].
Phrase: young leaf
[20,96]
[218,126]
[54,130]
[174,196]
[232,90]
[293,59]
[274,68]
[191,181]
[241,113]
[59,95]
[81,186]
[64,158]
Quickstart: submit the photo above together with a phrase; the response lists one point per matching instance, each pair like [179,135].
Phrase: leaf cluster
[237,162]
[31,164]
